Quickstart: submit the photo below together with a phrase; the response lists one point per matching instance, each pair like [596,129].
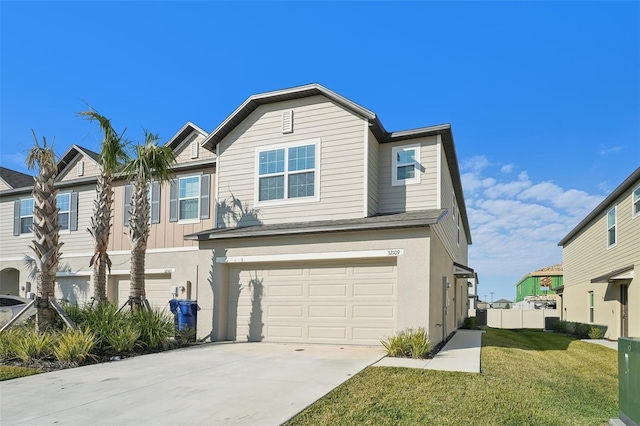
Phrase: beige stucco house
[601,260]
[298,219]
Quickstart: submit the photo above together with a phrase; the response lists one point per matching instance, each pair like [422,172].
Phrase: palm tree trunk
[138,235]
[100,230]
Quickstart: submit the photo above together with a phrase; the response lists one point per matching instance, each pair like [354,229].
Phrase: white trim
[394,165]
[365,201]
[74,273]
[146,271]
[615,226]
[115,253]
[278,202]
[68,193]
[438,172]
[198,197]
[633,213]
[216,190]
[311,256]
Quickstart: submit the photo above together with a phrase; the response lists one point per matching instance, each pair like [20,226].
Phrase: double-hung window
[63,201]
[635,203]
[67,204]
[591,307]
[611,226]
[287,173]
[405,167]
[26,215]
[189,198]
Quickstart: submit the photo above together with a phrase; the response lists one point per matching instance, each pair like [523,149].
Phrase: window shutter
[194,149]
[73,213]
[173,201]
[287,121]
[205,183]
[128,190]
[16,217]
[155,202]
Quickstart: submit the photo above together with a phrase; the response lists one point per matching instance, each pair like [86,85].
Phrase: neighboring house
[299,219]
[501,304]
[601,259]
[536,286]
[473,284]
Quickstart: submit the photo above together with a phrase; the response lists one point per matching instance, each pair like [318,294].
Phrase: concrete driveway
[226,383]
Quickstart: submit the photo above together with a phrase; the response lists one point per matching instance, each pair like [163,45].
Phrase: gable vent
[80,168]
[287,121]
[194,149]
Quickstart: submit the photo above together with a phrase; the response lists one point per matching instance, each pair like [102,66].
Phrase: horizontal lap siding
[422,196]
[70,173]
[373,162]
[341,159]
[183,152]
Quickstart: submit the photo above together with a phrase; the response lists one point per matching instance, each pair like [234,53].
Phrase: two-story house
[600,256]
[330,229]
[298,219]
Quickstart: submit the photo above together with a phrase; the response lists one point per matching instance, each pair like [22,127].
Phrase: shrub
[103,321]
[8,339]
[470,323]
[582,330]
[74,345]
[123,339]
[186,335]
[155,326]
[595,332]
[560,326]
[408,343]
[32,345]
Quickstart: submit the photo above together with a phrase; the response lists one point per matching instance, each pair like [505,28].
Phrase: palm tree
[46,245]
[152,162]
[112,156]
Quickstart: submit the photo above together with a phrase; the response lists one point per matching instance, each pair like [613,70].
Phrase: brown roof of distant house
[549,270]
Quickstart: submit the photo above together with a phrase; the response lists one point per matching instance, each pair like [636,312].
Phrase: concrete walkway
[603,342]
[230,383]
[461,353]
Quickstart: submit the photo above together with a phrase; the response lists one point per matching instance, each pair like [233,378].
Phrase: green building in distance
[542,282]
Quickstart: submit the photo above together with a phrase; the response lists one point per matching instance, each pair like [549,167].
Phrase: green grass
[528,378]
[10,372]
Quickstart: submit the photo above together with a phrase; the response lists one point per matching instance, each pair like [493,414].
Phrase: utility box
[629,380]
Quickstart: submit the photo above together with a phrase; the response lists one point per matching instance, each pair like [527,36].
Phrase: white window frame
[635,201]
[394,165]
[453,205]
[286,173]
[197,218]
[614,226]
[68,194]
[29,233]
[591,306]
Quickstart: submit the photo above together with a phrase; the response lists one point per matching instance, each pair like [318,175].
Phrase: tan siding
[10,245]
[374,161]
[70,172]
[164,234]
[3,185]
[586,257]
[183,151]
[341,159]
[393,199]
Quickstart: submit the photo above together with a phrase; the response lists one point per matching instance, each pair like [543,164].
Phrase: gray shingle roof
[16,179]
[387,221]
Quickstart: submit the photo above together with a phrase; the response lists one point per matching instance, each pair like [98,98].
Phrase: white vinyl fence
[520,318]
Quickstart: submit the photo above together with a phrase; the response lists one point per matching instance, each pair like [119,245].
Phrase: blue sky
[543,98]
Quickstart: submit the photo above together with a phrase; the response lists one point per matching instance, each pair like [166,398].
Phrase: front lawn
[528,378]
[13,372]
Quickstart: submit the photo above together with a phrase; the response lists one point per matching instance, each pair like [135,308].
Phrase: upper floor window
[189,198]
[591,307]
[635,202]
[611,226]
[405,165]
[67,204]
[289,172]
[153,197]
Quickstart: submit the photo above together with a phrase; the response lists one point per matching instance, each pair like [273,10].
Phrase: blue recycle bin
[186,312]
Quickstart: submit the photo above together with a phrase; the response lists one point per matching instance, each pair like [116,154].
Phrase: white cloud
[516,223]
[604,150]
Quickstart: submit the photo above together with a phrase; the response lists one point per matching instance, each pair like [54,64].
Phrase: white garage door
[74,289]
[344,303]
[157,287]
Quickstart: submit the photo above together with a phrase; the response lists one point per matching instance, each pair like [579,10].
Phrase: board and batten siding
[419,196]
[341,180]
[164,234]
[447,227]
[374,164]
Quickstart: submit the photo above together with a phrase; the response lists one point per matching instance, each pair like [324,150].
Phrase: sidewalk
[461,353]
[603,342]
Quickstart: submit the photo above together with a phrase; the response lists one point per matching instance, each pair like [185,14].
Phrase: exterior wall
[412,270]
[183,151]
[341,161]
[520,318]
[165,234]
[374,179]
[70,173]
[530,286]
[4,186]
[422,196]
[586,256]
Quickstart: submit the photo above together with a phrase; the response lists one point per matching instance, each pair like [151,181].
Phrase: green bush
[595,332]
[408,343]
[124,339]
[560,326]
[186,335]
[103,320]
[470,323]
[31,345]
[74,345]
[582,330]
[155,326]
[8,342]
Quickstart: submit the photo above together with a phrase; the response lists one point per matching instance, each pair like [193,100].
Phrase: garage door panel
[323,302]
